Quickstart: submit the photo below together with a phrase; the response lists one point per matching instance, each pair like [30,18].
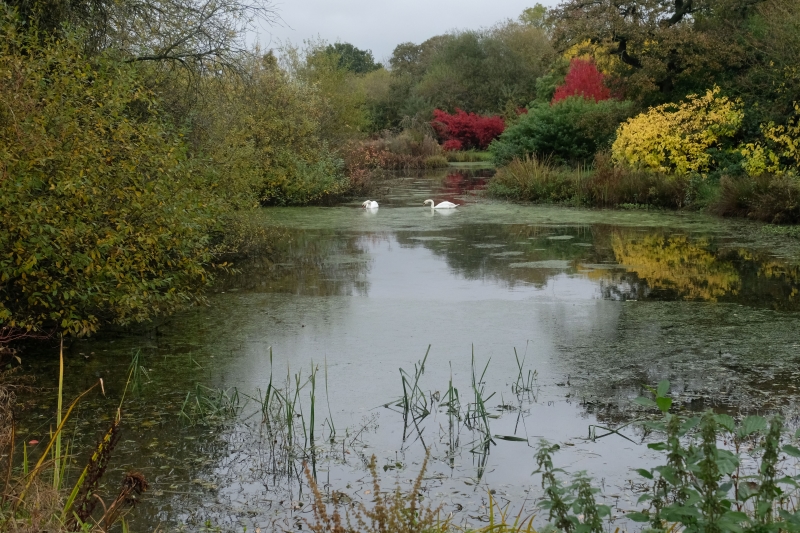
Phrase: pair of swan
[372,204]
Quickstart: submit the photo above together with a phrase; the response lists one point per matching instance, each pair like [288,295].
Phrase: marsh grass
[468,156]
[477,416]
[537,179]
[436,161]
[603,184]
[414,404]
[289,428]
[526,382]
[137,372]
[35,498]
[206,405]
[772,199]
[397,511]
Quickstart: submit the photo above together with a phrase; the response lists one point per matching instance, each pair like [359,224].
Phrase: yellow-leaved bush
[779,150]
[676,138]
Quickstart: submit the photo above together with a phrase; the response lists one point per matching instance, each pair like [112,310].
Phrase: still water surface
[596,303]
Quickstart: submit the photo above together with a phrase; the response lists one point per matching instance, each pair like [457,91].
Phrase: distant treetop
[353,59]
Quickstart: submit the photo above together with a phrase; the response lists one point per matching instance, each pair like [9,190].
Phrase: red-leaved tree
[452,145]
[583,79]
[469,129]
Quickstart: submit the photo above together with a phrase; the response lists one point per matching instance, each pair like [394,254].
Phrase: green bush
[717,476]
[571,130]
[103,215]
[536,180]
[296,181]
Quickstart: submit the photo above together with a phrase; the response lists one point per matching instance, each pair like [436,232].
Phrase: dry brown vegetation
[396,512]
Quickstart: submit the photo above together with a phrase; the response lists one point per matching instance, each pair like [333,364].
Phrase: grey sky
[379,26]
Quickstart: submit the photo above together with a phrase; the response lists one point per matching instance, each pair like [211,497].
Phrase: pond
[549,319]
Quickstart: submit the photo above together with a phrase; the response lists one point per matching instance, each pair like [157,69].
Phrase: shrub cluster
[464,131]
[604,184]
[572,130]
[391,151]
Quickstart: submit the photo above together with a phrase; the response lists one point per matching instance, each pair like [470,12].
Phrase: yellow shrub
[778,153]
[605,61]
[675,138]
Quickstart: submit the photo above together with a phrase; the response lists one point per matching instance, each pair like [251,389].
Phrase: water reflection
[307,263]
[689,268]
[625,263]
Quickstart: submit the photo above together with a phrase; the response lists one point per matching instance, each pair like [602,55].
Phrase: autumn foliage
[464,130]
[583,79]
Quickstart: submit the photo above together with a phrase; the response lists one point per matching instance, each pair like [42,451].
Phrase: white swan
[441,205]
[370,204]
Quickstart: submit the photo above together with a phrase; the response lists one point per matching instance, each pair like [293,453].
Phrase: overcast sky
[380,25]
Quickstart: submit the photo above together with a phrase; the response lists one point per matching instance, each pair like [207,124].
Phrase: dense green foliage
[353,59]
[571,130]
[120,175]
[269,128]
[481,71]
[104,217]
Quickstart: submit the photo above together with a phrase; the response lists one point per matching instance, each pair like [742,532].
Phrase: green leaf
[726,421]
[637,516]
[644,473]
[664,403]
[663,388]
[751,424]
[646,402]
[791,450]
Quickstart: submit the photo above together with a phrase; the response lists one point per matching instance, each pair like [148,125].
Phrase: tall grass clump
[537,179]
[35,496]
[398,511]
[766,197]
[610,185]
[603,184]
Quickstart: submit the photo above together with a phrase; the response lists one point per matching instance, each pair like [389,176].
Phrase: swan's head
[426,202]
[365,204]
